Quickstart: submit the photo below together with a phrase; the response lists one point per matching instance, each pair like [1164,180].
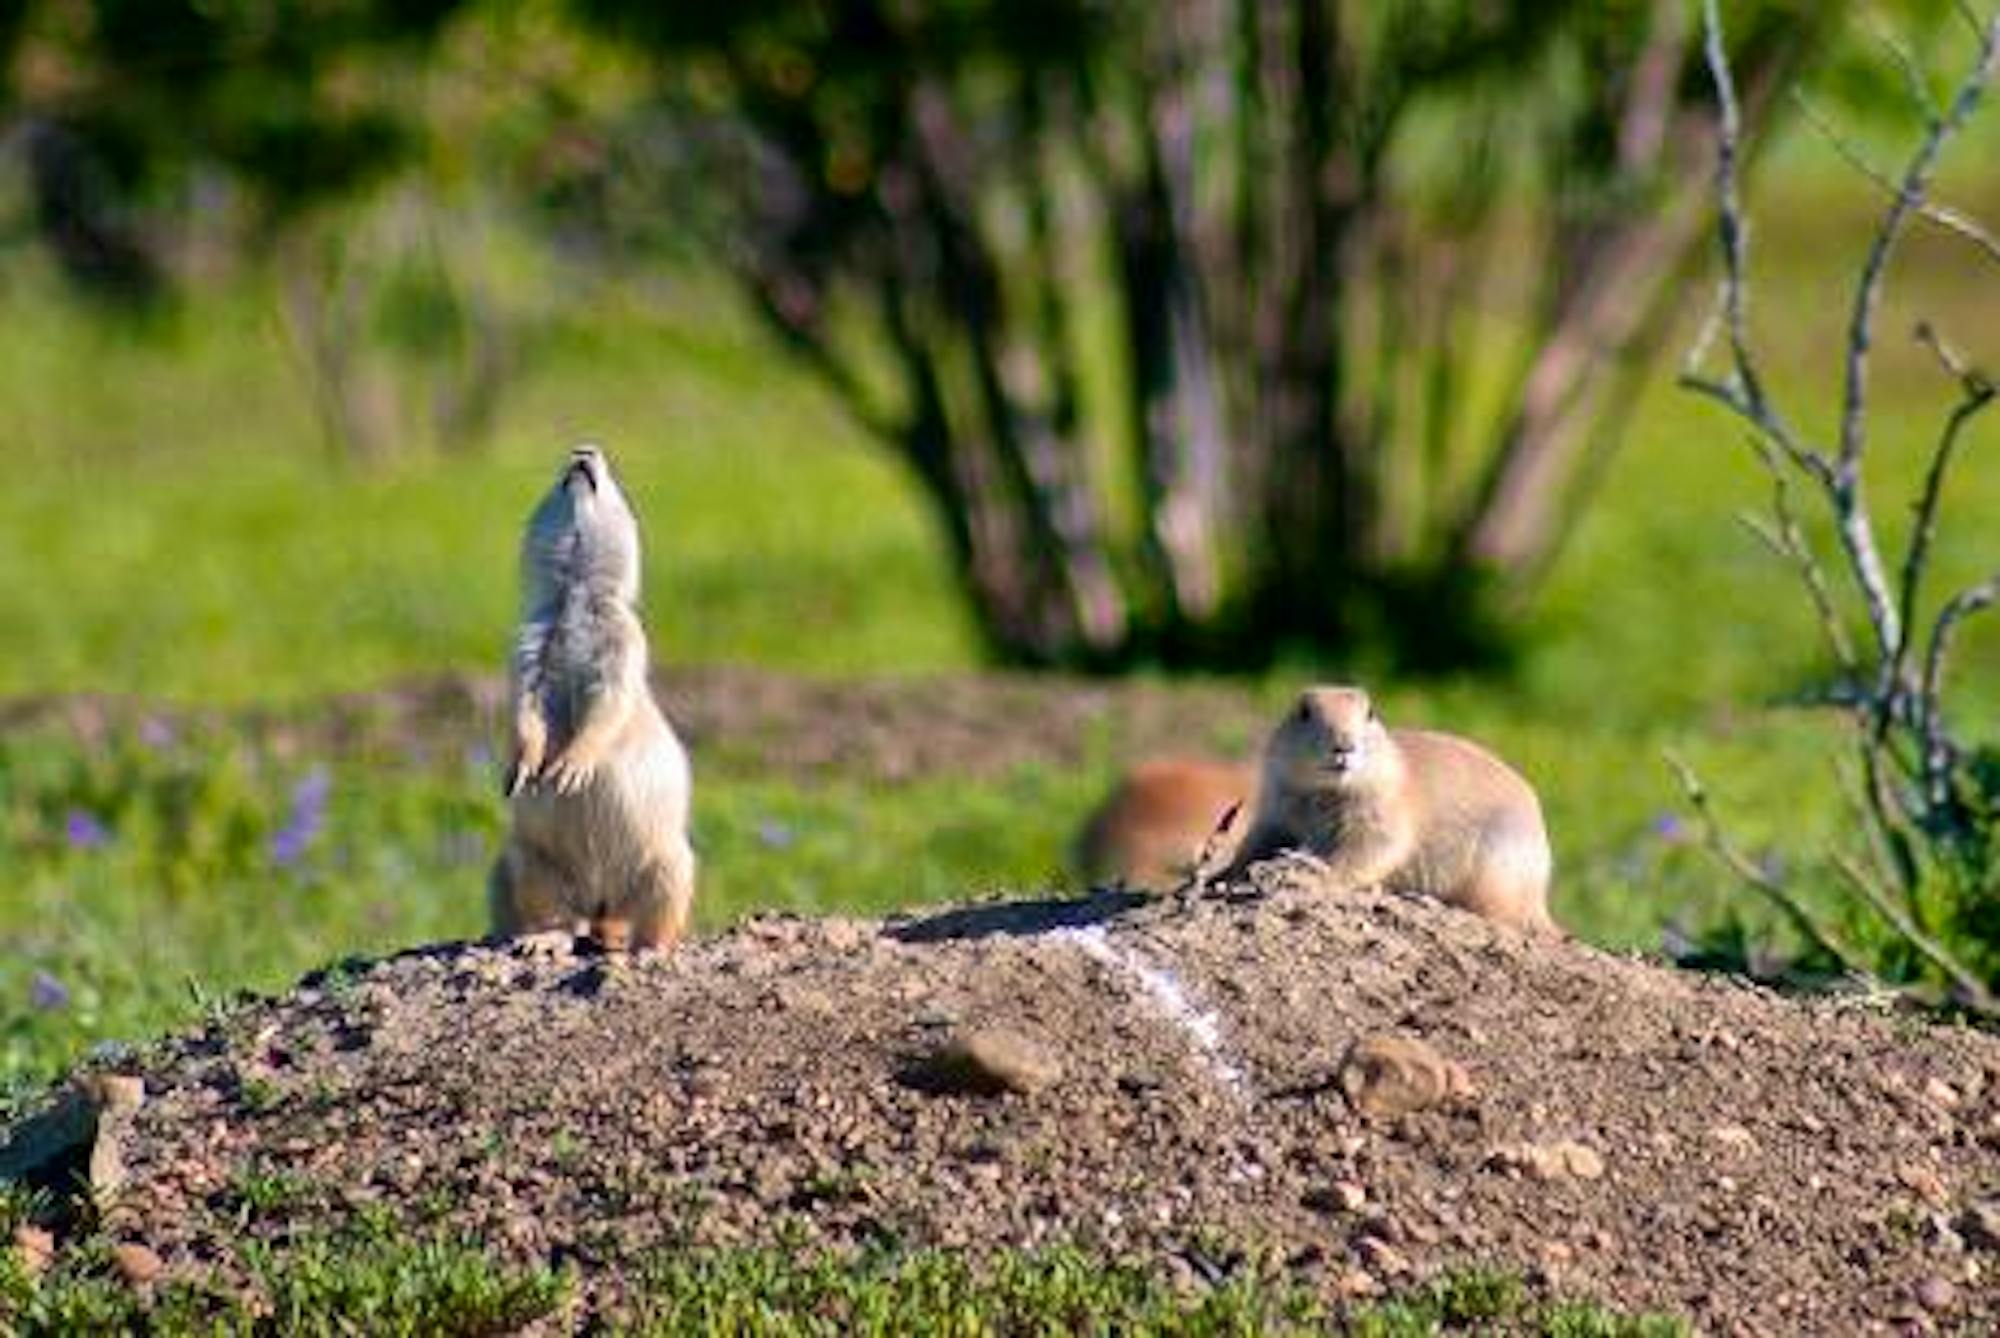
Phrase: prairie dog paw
[567,775]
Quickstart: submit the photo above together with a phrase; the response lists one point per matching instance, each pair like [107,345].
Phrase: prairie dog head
[1332,739]
[582,534]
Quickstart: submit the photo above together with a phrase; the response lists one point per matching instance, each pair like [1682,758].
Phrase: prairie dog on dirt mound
[1410,810]
[598,782]
[1162,816]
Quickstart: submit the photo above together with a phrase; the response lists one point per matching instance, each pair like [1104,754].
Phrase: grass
[371,1277]
[232,562]
[190,542]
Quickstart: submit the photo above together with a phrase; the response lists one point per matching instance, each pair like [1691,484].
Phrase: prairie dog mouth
[582,465]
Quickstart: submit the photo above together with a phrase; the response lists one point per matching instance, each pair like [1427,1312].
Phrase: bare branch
[1938,747]
[1788,538]
[1967,988]
[1978,394]
[1747,870]
[1911,189]
[1943,215]
[1857,531]
[1732,228]
[1744,392]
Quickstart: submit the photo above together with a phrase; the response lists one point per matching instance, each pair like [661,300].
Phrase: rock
[1734,1137]
[1580,1161]
[136,1263]
[1383,1257]
[1350,1196]
[1941,1093]
[1387,1076]
[35,1248]
[1354,1282]
[77,1136]
[1562,1159]
[1924,1182]
[1936,1293]
[987,1061]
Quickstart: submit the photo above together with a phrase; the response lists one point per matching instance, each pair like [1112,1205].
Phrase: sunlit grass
[172,528]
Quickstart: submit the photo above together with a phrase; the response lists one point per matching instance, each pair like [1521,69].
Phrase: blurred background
[1007,390]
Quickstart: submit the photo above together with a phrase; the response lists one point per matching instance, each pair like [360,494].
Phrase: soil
[1359,1091]
[1356,1090]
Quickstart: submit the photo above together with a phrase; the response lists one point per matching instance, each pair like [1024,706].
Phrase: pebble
[1388,1076]
[1562,1159]
[1936,1293]
[991,1060]
[136,1263]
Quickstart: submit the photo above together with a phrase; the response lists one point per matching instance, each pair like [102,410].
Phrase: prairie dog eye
[1302,713]
[1373,716]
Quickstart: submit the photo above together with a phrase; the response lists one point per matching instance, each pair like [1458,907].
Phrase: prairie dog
[1411,810]
[1161,817]
[597,780]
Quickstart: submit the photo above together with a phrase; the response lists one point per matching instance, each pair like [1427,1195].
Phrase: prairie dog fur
[1161,817]
[597,780]
[1411,810]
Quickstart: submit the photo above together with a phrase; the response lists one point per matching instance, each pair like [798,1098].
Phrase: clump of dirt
[1363,1089]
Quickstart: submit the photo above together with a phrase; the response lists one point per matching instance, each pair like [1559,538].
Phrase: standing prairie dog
[1411,810]
[1162,817]
[597,780]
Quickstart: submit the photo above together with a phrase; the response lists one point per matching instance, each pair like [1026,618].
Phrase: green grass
[174,531]
[372,1277]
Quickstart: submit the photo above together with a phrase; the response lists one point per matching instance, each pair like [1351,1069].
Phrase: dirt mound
[1364,1090]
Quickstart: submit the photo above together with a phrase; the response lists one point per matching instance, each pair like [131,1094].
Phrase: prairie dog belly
[618,824]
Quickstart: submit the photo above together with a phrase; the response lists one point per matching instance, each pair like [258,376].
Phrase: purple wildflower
[307,817]
[775,835]
[47,994]
[1669,828]
[157,733]
[84,831]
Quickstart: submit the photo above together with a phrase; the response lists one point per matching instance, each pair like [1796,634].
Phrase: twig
[1787,538]
[1856,529]
[1978,394]
[1969,989]
[1938,750]
[1743,393]
[1747,871]
[1943,215]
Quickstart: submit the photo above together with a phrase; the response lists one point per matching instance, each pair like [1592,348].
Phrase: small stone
[1388,1076]
[1580,1161]
[1941,1093]
[1382,1256]
[991,1060]
[1350,1196]
[136,1263]
[1354,1282]
[1563,1159]
[1924,1182]
[1734,1137]
[1556,1253]
[35,1248]
[1936,1293]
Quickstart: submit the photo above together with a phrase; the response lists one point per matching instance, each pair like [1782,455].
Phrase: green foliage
[368,1278]
[371,1278]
